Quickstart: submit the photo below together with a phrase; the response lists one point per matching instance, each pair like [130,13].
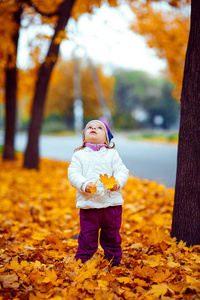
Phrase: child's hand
[114,189]
[89,186]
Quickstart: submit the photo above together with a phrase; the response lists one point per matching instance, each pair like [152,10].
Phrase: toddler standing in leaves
[94,165]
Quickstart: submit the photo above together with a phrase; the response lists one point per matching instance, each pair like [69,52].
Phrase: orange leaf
[158,290]
[94,188]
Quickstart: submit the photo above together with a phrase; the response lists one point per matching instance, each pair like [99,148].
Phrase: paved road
[154,161]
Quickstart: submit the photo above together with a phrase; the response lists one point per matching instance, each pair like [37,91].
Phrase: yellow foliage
[166,32]
[61,92]
[8,28]
[49,6]
[38,241]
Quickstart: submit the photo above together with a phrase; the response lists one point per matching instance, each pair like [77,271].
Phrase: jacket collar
[95,147]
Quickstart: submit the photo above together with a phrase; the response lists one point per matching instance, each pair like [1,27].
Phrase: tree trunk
[78,103]
[186,214]
[11,96]
[31,158]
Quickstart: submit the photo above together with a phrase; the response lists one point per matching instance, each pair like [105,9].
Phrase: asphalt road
[153,161]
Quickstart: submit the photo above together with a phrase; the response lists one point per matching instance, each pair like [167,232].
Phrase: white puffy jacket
[86,166]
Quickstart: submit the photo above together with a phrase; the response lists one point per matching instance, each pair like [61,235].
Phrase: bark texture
[11,96]
[31,158]
[186,213]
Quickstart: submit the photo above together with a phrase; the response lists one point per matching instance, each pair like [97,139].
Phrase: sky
[104,37]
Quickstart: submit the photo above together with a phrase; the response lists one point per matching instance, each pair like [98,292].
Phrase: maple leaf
[14,265]
[182,245]
[158,235]
[50,276]
[109,182]
[158,290]
[125,279]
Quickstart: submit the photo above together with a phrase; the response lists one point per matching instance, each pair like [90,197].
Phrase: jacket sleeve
[120,172]
[75,174]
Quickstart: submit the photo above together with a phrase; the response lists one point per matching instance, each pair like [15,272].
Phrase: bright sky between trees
[104,37]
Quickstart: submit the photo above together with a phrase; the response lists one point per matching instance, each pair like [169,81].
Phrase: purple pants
[109,220]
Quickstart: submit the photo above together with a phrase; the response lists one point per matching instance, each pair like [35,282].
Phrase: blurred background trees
[134,99]
[143,101]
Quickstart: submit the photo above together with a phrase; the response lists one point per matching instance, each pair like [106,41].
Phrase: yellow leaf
[158,290]
[37,264]
[140,282]
[158,235]
[182,245]
[103,284]
[173,264]
[24,263]
[14,265]
[192,281]
[136,246]
[39,236]
[50,276]
[125,279]
[109,182]
[94,188]
[196,258]
[152,264]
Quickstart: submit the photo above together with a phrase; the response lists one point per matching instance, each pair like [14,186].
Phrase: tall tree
[11,90]
[31,158]
[186,214]
[10,17]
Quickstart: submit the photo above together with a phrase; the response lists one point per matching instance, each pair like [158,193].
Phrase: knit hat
[109,135]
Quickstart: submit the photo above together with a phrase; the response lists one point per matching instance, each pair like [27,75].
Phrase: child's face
[95,133]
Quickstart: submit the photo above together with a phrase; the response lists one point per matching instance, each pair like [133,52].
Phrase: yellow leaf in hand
[94,188]
[109,182]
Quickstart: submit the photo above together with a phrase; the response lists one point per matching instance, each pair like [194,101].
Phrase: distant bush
[53,127]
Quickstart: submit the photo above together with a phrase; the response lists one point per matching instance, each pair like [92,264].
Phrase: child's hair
[83,146]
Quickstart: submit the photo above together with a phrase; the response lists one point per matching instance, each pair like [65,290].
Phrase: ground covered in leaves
[39,225]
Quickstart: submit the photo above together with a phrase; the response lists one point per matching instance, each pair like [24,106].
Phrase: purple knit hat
[109,135]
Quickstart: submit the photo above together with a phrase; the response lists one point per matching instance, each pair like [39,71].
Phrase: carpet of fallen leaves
[39,225]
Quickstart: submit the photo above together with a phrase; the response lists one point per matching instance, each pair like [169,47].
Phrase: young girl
[101,209]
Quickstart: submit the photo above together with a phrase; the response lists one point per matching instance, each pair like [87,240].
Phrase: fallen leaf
[158,290]
[9,281]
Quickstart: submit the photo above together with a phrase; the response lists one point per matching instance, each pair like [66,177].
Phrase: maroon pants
[109,220]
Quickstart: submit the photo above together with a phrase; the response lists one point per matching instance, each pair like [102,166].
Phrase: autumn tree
[10,17]
[60,96]
[165,30]
[10,25]
[31,158]
[186,214]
